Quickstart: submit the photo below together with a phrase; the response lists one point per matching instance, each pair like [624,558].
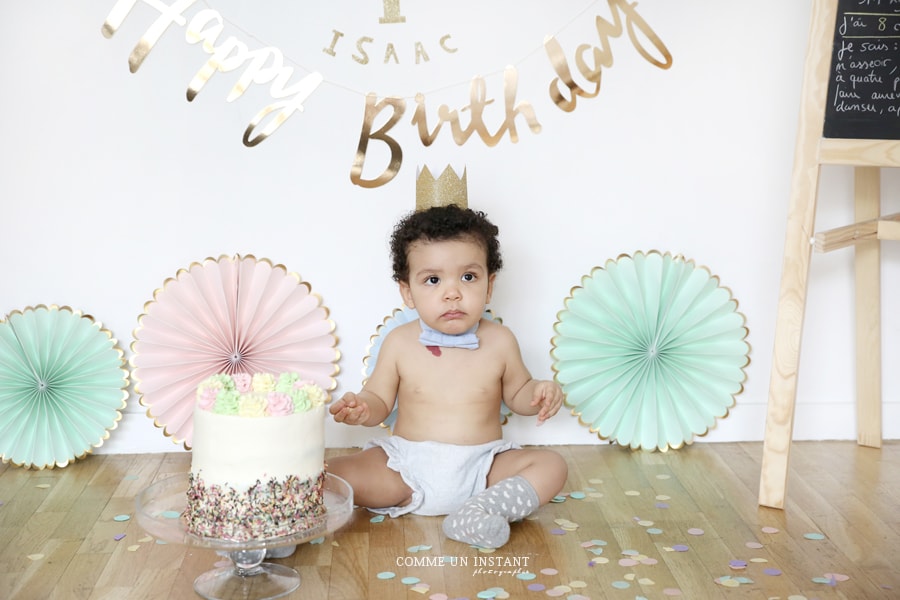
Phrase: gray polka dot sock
[483,520]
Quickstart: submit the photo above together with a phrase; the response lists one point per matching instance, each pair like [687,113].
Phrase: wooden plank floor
[59,530]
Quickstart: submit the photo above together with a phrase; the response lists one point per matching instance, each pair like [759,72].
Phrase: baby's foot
[474,526]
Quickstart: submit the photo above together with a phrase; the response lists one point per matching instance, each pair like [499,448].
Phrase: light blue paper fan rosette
[63,386]
[401,316]
[650,351]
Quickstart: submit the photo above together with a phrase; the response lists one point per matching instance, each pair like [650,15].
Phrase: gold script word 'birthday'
[267,66]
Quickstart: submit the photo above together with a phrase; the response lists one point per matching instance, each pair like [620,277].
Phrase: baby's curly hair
[442,223]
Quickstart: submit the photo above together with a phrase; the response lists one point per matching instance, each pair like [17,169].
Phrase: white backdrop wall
[112,181]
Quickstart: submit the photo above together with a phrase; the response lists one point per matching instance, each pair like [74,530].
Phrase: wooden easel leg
[789,322]
[797,253]
[867,259]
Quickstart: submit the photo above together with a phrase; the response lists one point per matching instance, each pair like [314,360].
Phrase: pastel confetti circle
[654,531]
[536,587]
[386,575]
[526,576]
[695,531]
[671,592]
[663,476]
[621,585]
[772,572]
[486,594]
[627,562]
[837,576]
[577,495]
[410,580]
[754,545]
[171,514]
[770,530]
[439,596]
[377,519]
[814,536]
[121,517]
[632,493]
[578,584]
[680,548]
[549,571]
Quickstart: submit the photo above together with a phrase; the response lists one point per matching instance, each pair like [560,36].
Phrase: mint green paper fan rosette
[650,351]
[63,386]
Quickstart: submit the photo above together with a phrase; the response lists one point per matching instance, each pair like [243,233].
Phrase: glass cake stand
[159,508]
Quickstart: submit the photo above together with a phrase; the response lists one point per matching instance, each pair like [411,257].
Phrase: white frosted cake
[258,457]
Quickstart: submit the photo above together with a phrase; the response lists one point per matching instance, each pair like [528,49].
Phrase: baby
[448,372]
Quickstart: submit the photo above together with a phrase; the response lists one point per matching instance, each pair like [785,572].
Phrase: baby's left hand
[549,396]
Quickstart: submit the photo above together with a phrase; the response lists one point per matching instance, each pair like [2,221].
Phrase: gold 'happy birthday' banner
[268,66]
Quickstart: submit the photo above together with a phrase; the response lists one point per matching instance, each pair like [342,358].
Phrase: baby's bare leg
[374,484]
[544,469]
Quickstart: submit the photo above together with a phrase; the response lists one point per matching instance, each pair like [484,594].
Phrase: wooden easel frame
[811,151]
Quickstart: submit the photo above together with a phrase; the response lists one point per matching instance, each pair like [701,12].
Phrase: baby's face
[449,284]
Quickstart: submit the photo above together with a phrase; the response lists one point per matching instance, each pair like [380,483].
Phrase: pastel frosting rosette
[259,395]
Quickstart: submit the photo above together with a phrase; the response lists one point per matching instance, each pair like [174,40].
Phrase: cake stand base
[248,578]
[159,510]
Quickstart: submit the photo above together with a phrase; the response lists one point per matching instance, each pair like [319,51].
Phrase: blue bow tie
[433,337]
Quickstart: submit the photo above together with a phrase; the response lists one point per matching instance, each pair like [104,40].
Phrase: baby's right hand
[350,409]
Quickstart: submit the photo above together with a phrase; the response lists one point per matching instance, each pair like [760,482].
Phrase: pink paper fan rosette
[227,315]
[63,386]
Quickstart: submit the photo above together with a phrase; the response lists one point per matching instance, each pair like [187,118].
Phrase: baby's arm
[543,398]
[524,394]
[364,408]
[375,402]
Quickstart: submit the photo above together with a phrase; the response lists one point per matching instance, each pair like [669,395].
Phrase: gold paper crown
[449,188]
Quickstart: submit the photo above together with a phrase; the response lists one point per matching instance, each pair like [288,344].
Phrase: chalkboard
[864,81]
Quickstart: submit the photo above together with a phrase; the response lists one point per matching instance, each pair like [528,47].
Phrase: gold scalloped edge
[379,331]
[122,368]
[186,271]
[640,447]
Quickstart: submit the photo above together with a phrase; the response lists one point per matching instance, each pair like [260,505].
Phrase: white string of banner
[537,48]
